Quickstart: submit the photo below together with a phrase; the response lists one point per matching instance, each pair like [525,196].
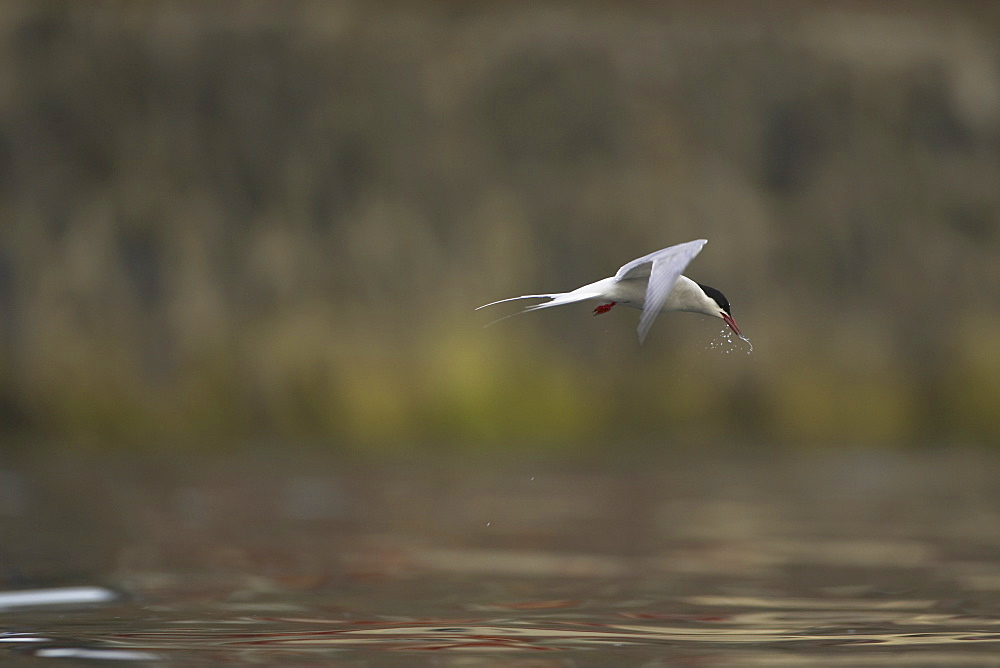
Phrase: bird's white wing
[641,267]
[663,267]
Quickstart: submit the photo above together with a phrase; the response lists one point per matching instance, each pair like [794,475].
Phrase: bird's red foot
[603,308]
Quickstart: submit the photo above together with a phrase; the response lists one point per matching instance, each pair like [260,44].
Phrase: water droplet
[723,342]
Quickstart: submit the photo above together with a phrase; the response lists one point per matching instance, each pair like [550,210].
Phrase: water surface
[848,558]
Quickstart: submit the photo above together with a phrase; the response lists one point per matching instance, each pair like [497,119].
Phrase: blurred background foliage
[272,221]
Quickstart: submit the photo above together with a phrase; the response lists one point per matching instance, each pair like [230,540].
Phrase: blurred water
[715,558]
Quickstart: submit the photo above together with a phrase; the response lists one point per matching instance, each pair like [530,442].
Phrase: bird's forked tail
[556,299]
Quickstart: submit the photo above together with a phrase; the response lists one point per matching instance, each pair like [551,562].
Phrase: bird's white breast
[686,296]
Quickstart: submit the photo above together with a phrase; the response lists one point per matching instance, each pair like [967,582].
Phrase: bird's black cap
[719,298]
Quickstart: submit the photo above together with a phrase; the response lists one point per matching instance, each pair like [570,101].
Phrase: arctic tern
[652,283]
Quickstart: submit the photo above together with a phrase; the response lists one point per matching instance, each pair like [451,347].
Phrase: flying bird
[652,283]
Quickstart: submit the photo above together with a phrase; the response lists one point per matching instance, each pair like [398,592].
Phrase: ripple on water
[638,623]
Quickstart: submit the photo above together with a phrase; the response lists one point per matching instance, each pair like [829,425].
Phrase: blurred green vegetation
[231,221]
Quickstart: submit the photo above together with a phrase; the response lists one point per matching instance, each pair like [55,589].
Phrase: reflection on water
[824,559]
[292,625]
[54,597]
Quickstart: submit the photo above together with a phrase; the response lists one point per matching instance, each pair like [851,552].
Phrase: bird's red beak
[732,323]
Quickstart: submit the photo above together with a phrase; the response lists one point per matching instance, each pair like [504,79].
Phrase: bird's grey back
[663,268]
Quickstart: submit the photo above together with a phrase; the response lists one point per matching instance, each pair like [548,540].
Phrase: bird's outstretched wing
[663,267]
